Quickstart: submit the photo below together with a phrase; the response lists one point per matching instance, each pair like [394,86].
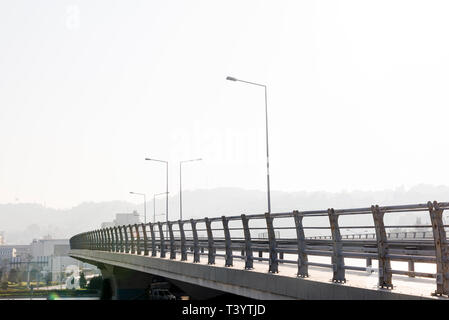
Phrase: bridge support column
[441,248]
[124,284]
[248,248]
[228,243]
[385,274]
[338,261]
[183,241]
[302,256]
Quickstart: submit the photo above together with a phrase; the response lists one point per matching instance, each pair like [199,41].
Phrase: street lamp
[166,198]
[180,184]
[266,130]
[144,204]
[154,205]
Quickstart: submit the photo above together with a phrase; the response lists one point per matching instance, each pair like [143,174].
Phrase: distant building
[2,238]
[123,219]
[107,225]
[46,247]
[7,252]
[126,218]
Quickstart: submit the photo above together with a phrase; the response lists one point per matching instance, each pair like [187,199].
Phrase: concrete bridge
[301,255]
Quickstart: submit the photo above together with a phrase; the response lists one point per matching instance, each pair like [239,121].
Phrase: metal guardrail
[230,238]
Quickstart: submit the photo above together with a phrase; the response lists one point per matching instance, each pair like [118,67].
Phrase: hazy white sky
[358,96]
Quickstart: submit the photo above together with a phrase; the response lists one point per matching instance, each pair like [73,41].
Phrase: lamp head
[231,78]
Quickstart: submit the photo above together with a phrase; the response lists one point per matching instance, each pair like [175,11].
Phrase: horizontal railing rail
[292,237]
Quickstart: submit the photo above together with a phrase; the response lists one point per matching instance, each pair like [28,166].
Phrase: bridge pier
[124,284]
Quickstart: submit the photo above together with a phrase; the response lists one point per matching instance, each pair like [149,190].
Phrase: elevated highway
[297,255]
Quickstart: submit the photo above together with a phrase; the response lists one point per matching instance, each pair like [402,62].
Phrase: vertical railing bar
[161,239]
[183,240]
[385,275]
[228,242]
[210,243]
[138,248]
[248,247]
[441,249]
[338,261]
[145,239]
[196,249]
[302,256]
[273,263]
[172,240]
[153,240]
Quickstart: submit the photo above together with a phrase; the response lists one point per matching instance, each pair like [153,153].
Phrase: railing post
[196,249]
[116,242]
[153,240]
[338,261]
[273,267]
[385,274]
[303,270]
[161,238]
[183,241]
[122,239]
[172,241]
[441,249]
[228,243]
[109,233]
[133,241]
[89,241]
[108,239]
[145,239]
[97,239]
[126,239]
[101,240]
[138,248]
[248,248]
[210,243]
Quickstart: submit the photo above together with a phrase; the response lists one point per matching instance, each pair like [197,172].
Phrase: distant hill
[24,221]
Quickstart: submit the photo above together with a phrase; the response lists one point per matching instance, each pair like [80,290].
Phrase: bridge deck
[422,287]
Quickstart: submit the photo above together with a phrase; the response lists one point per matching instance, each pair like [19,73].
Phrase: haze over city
[89,91]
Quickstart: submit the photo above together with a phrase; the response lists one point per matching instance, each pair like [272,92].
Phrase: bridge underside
[128,276]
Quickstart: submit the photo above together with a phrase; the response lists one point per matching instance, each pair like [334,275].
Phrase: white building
[7,252]
[123,219]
